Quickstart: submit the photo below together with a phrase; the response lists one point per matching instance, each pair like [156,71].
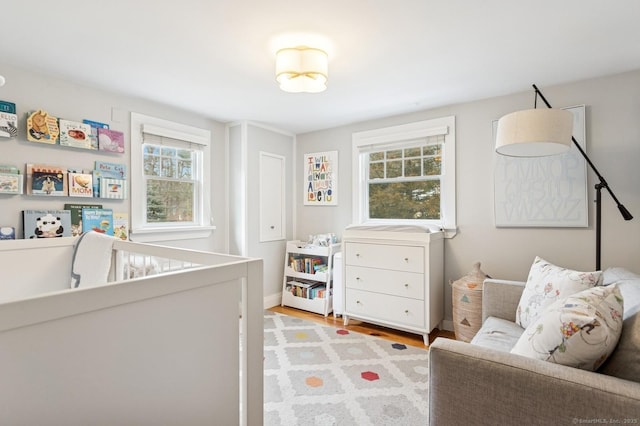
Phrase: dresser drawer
[400,310]
[397,283]
[385,256]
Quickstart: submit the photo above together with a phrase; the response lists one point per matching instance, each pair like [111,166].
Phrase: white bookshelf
[300,285]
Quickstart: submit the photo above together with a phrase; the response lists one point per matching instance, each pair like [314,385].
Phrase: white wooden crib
[182,346]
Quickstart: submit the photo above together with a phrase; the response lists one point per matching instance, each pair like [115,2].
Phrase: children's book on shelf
[98,175]
[8,120]
[99,220]
[46,223]
[80,184]
[118,170]
[121,225]
[76,134]
[10,183]
[8,107]
[110,140]
[95,125]
[76,216]
[7,233]
[42,127]
[113,188]
[8,125]
[46,180]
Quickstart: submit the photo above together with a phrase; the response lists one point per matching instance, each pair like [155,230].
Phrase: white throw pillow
[548,283]
[580,331]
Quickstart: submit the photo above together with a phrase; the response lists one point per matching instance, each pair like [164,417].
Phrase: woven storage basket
[467,303]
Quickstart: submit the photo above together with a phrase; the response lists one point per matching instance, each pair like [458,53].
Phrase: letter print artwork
[321,178]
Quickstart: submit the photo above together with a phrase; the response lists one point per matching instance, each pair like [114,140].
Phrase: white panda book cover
[46,223]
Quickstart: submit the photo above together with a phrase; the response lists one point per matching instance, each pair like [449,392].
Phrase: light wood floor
[398,336]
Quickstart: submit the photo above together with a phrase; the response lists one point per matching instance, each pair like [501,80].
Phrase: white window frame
[141,230]
[396,137]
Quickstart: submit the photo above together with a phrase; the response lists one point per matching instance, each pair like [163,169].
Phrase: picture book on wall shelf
[8,125]
[41,127]
[113,188]
[119,170]
[76,216]
[121,226]
[46,180]
[8,120]
[46,223]
[111,140]
[80,185]
[75,134]
[8,107]
[98,175]
[95,125]
[10,183]
[7,233]
[98,220]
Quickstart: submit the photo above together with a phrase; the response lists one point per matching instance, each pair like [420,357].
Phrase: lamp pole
[602,183]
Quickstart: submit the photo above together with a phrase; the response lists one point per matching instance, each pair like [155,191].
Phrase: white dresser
[394,276]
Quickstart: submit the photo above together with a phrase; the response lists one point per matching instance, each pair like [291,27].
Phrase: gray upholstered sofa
[481,383]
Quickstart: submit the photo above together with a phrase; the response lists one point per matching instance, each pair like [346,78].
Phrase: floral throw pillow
[548,283]
[580,331]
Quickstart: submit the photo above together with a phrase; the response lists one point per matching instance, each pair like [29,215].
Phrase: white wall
[246,141]
[30,91]
[613,144]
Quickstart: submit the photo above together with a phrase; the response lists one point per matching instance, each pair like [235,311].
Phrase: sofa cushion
[498,334]
[624,362]
[548,283]
[580,331]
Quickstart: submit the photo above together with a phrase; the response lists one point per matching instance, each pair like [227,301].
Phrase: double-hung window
[406,174]
[170,179]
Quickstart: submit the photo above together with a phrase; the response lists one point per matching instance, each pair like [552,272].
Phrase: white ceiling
[216,57]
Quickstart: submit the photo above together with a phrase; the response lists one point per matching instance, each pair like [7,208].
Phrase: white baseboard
[272,300]
[447,325]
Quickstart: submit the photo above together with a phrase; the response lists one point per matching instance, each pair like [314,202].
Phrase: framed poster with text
[321,178]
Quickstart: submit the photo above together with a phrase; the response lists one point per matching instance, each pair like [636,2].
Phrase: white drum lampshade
[534,133]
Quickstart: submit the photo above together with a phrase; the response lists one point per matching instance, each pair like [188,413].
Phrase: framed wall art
[321,178]
[543,191]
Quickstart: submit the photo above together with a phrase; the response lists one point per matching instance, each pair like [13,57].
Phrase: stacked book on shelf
[308,265]
[307,289]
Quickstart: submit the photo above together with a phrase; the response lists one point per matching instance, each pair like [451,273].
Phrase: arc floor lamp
[541,132]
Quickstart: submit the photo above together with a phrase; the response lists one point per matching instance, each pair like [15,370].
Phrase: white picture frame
[543,191]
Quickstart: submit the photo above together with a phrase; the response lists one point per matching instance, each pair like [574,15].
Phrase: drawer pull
[406,286]
[358,302]
[406,259]
[357,278]
[357,254]
[406,311]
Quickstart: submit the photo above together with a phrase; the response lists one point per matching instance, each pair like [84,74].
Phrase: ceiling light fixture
[2,80]
[302,69]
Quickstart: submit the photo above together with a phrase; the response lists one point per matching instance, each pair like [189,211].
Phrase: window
[170,180]
[406,174]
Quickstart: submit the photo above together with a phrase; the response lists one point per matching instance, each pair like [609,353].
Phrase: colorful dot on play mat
[399,346]
[370,376]
[314,382]
[342,332]
[301,335]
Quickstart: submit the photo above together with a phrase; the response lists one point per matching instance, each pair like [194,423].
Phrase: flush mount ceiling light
[2,80]
[302,69]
